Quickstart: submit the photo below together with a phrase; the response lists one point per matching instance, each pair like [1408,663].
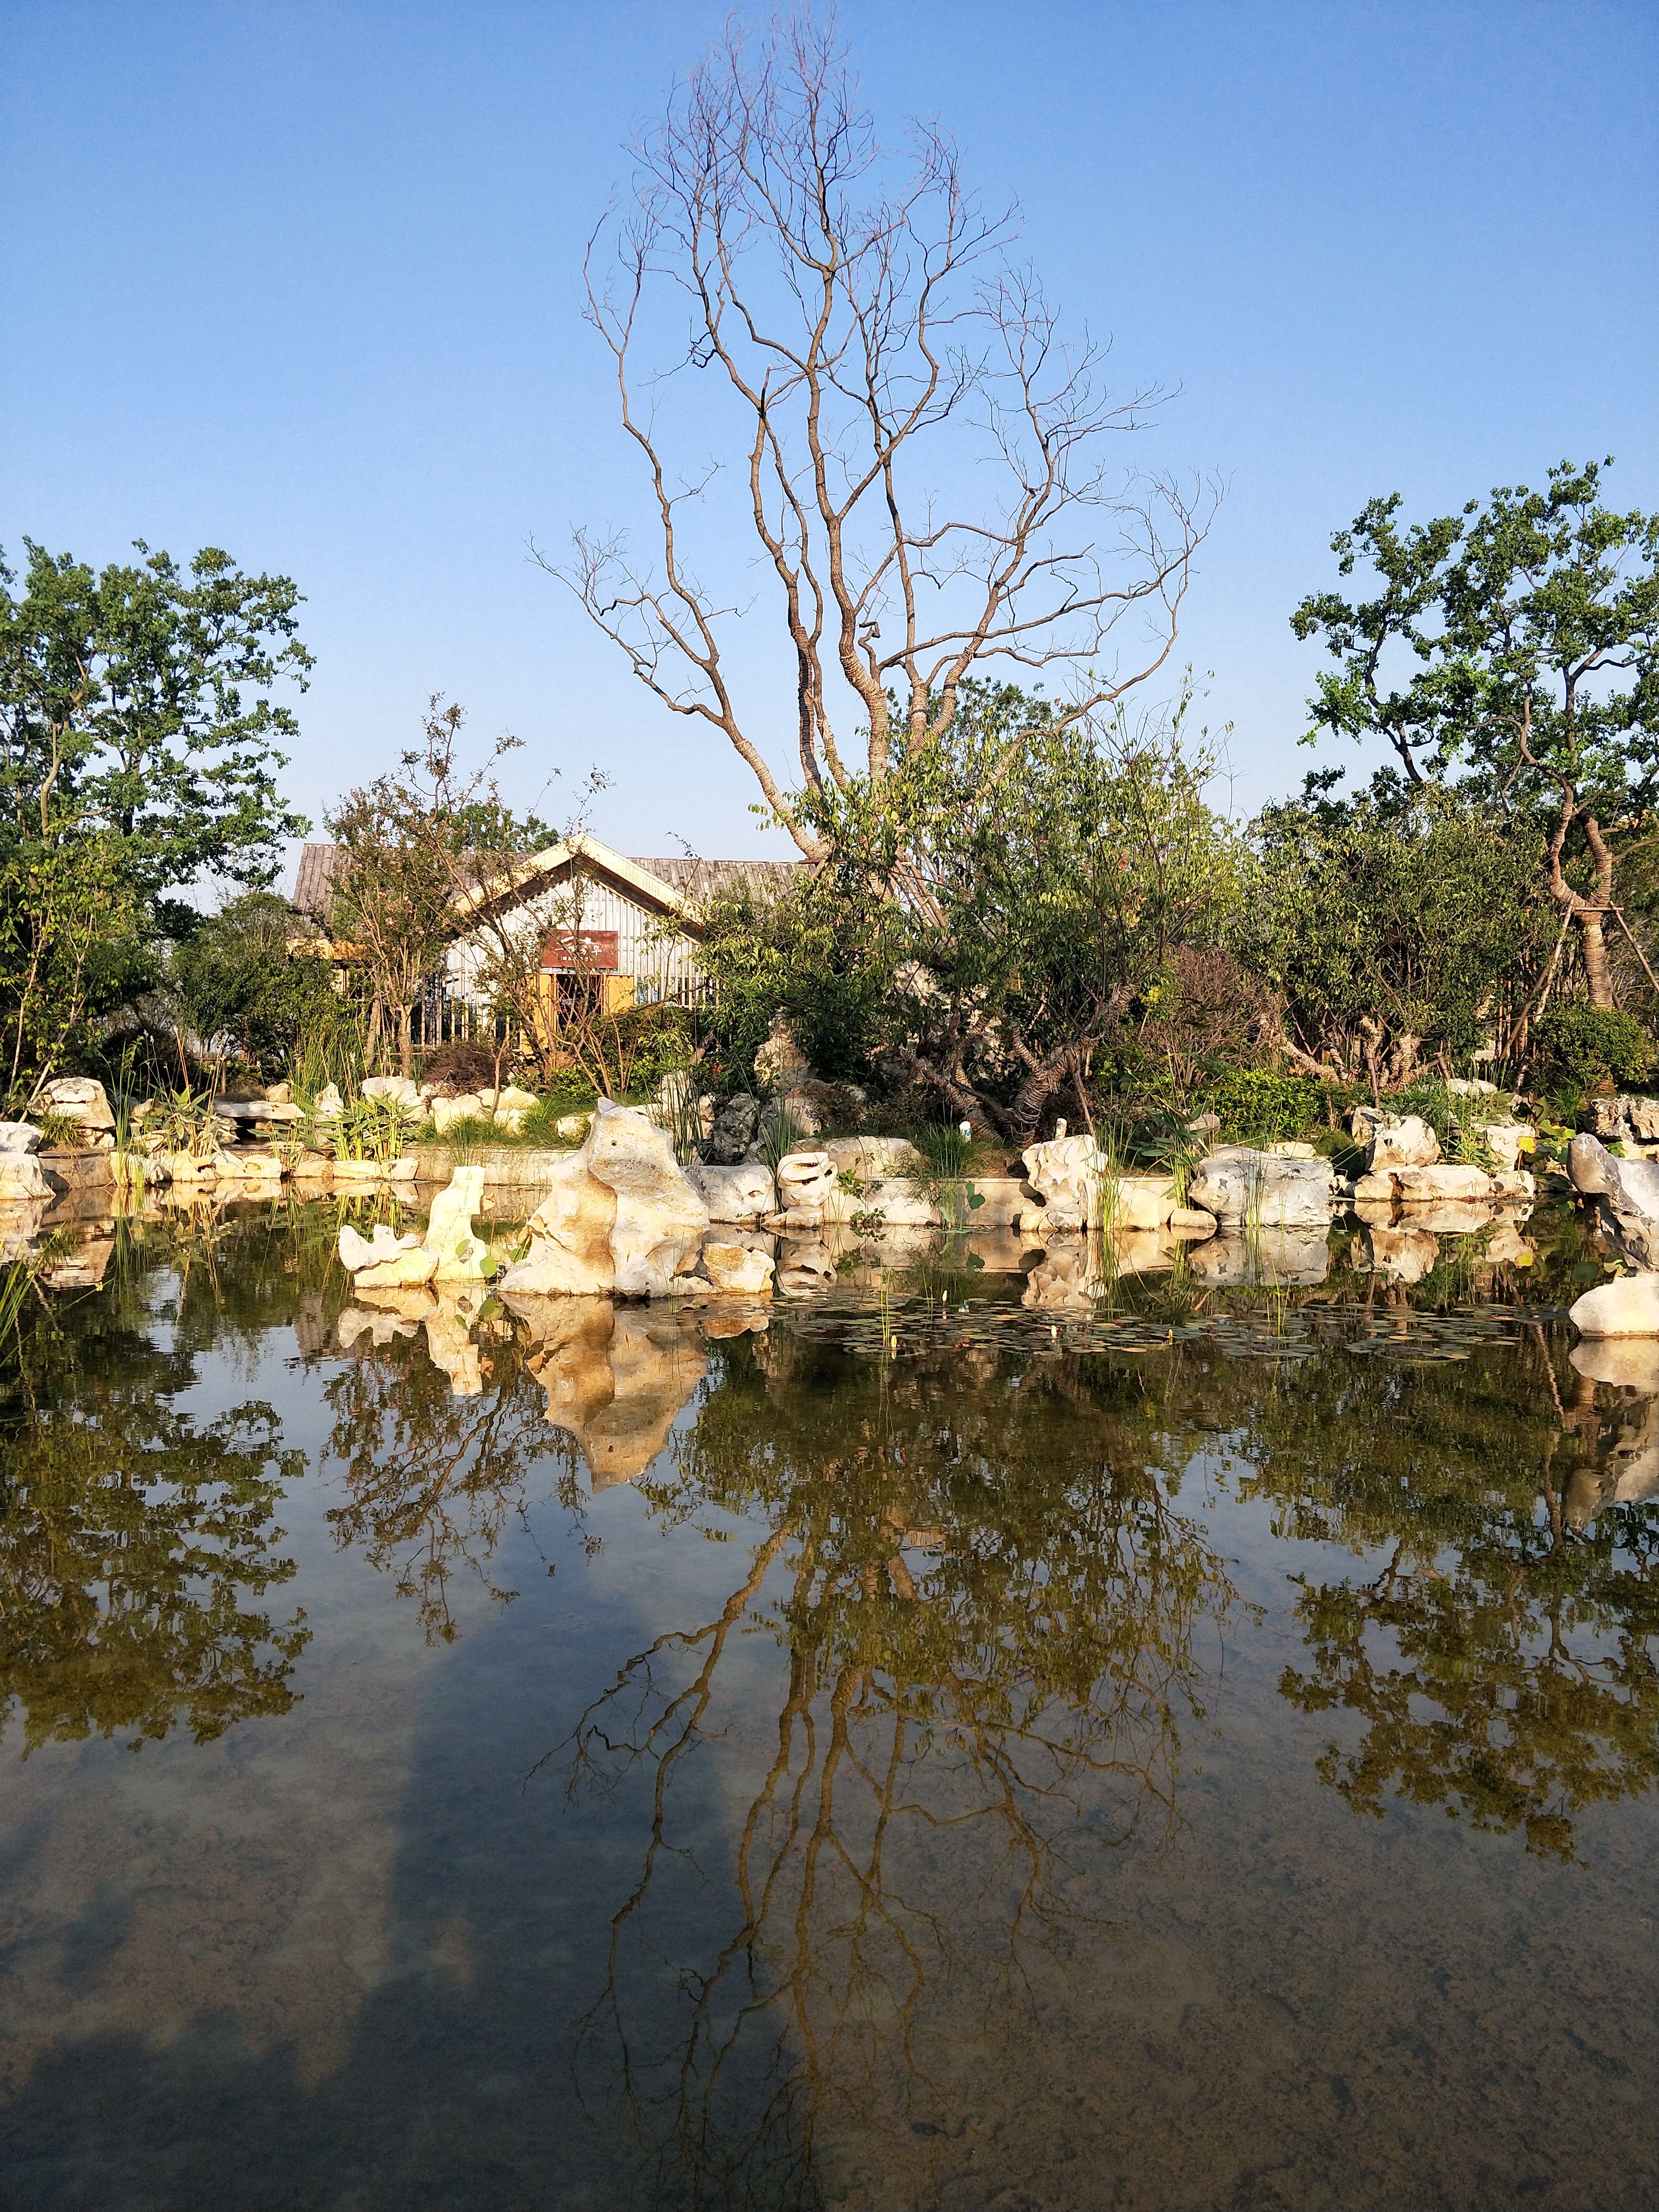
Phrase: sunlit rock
[1628,1306]
[1192,1223]
[805,1180]
[81,1099]
[22,1179]
[1246,1189]
[1409,1143]
[357,1251]
[621,1217]
[1069,1175]
[459,1256]
[1630,1190]
[570,1230]
[659,1220]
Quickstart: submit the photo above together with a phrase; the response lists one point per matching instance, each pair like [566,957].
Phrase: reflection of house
[625,930]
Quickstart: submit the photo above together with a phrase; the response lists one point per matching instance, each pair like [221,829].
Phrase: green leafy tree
[1515,646]
[138,736]
[1396,925]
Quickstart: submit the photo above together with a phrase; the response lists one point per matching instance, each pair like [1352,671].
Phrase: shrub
[1585,1046]
[1254,1102]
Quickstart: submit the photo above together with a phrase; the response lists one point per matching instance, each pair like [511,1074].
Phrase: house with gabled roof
[629,929]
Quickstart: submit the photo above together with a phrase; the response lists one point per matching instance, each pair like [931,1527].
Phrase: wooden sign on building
[589,952]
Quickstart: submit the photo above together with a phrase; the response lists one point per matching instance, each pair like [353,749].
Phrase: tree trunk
[1594,944]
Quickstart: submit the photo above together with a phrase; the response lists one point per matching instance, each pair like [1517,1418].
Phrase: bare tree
[878,342]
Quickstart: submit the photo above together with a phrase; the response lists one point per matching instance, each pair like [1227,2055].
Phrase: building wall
[659,968]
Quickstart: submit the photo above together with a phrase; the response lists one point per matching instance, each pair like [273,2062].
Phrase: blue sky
[301,280]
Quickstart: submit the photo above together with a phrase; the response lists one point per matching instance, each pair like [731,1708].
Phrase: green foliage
[1390,924]
[1255,1103]
[1587,1046]
[236,985]
[138,753]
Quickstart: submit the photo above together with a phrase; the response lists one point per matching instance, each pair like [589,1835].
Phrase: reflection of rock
[1507,1247]
[1239,1186]
[381,1327]
[615,1379]
[804,1267]
[1626,1307]
[1070,1276]
[737,1270]
[83,1268]
[621,1215]
[734,1193]
[410,1304]
[1405,1255]
[1270,1256]
[449,1345]
[1633,1361]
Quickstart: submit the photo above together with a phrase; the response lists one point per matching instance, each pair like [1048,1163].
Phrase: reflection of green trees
[135,1542]
[1500,1652]
[988,1603]
[432,1480]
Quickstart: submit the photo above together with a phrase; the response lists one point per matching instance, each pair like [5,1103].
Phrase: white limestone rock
[1410,1143]
[1628,1306]
[743,1192]
[1069,1173]
[1244,1188]
[80,1098]
[459,1256]
[621,1216]
[358,1252]
[18,1138]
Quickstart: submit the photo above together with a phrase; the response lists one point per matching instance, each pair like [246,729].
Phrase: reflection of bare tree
[432,1480]
[987,1605]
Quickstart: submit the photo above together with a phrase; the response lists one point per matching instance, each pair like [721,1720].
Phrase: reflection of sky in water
[1167,1668]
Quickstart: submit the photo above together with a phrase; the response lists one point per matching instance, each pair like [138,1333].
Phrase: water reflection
[919,1763]
[985,1687]
[138,1543]
[1497,1647]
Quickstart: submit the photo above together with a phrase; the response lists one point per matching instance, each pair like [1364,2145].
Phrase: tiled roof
[696,880]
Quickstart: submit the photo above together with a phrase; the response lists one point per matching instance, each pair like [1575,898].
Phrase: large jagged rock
[80,1099]
[735,1193]
[733,1130]
[804,1181]
[459,1255]
[1628,1188]
[779,1063]
[1069,1175]
[18,1138]
[399,1089]
[660,1220]
[1251,1189]
[1626,1118]
[621,1217]
[1410,1143]
[23,1179]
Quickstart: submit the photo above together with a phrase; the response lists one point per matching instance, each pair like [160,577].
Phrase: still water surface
[1198,1751]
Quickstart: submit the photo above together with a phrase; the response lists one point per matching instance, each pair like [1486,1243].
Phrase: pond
[955,1739]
